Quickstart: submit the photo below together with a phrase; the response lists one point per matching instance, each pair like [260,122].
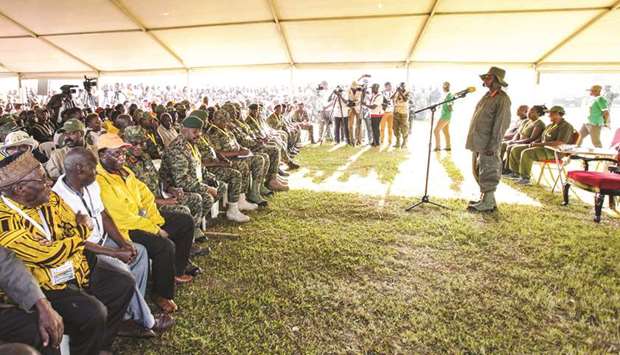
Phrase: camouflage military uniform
[190,203]
[259,128]
[230,176]
[247,139]
[225,141]
[179,169]
[152,144]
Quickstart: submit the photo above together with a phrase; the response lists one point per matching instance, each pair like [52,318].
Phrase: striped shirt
[39,255]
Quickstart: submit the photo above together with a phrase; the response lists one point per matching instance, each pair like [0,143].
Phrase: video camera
[338,90]
[89,83]
[68,89]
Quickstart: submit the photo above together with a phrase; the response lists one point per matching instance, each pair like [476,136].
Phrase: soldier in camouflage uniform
[249,140]
[142,166]
[153,143]
[263,132]
[225,144]
[219,169]
[181,167]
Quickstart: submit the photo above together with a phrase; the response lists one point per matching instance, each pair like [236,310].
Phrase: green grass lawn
[322,272]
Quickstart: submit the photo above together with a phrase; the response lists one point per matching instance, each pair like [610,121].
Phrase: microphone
[466,91]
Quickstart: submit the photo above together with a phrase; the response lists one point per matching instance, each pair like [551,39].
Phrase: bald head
[78,158]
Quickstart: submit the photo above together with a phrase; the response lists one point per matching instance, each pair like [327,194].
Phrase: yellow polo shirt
[129,202]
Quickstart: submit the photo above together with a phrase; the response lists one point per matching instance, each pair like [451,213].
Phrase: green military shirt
[222,140]
[180,165]
[145,171]
[207,153]
[596,111]
[275,121]
[561,131]
[532,126]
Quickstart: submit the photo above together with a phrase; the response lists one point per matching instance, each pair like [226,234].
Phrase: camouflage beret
[253,107]
[160,109]
[147,115]
[192,122]
[6,118]
[220,115]
[228,107]
[134,134]
[203,115]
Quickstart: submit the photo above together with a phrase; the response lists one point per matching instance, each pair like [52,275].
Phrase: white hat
[17,138]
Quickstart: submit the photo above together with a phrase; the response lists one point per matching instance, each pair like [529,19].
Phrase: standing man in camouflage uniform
[401,116]
[181,166]
[226,145]
[486,130]
[142,166]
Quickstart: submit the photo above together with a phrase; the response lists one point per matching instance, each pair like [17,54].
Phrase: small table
[570,151]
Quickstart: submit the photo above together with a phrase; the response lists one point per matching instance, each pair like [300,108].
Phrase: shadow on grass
[322,163]
[453,171]
[385,163]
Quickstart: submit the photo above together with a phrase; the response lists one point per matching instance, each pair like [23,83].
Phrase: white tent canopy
[39,38]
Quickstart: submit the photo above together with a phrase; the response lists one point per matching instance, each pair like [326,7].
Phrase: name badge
[63,273]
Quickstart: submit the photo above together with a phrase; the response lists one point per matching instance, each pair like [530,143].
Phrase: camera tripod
[331,113]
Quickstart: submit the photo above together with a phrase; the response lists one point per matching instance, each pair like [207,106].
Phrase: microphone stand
[432,108]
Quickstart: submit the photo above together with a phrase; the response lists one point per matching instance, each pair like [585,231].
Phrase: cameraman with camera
[401,116]
[61,102]
[355,98]
[336,107]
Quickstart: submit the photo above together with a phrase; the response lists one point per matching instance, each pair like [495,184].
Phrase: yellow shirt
[109,127]
[129,202]
[38,254]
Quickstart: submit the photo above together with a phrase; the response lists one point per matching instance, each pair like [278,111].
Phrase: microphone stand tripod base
[425,199]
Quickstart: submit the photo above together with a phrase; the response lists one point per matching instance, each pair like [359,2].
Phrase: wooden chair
[600,183]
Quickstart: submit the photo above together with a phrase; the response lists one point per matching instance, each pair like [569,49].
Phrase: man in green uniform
[226,145]
[181,167]
[263,131]
[401,116]
[598,116]
[486,130]
[214,167]
[558,132]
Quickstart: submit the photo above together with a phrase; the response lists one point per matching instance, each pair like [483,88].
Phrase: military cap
[558,109]
[192,122]
[159,109]
[202,114]
[134,134]
[253,107]
[73,125]
[220,115]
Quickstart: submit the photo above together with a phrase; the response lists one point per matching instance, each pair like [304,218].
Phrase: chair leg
[565,191]
[542,171]
[598,206]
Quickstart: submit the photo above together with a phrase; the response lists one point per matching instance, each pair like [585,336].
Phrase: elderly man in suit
[486,130]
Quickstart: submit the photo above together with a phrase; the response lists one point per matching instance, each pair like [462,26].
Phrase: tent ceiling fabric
[116,36]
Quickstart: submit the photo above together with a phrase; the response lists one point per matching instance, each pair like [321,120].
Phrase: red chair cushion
[601,181]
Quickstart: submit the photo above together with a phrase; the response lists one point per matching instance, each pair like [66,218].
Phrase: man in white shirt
[79,189]
[375,104]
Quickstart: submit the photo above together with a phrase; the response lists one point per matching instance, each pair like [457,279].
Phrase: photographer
[336,107]
[401,115]
[355,97]
[61,102]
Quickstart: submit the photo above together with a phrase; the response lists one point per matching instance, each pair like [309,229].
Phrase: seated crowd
[99,205]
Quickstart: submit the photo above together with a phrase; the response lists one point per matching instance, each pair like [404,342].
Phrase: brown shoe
[163,322]
[131,329]
[165,304]
[183,279]
[275,185]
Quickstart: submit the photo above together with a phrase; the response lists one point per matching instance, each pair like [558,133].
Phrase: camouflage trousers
[190,204]
[252,169]
[401,127]
[273,154]
[207,199]
[232,178]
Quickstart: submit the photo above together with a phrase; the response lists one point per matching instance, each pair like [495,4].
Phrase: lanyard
[43,229]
